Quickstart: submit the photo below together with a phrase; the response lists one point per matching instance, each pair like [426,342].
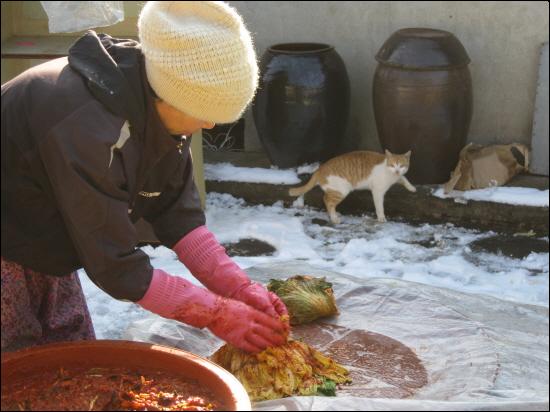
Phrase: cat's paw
[299,202]
[335,220]
[382,219]
[412,189]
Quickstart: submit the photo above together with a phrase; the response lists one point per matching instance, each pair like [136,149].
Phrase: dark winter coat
[84,156]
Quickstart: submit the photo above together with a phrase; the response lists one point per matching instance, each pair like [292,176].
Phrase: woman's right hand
[245,327]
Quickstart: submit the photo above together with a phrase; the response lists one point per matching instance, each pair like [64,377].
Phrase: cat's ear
[408,154]
[388,153]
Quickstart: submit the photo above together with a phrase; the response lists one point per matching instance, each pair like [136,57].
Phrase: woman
[93,142]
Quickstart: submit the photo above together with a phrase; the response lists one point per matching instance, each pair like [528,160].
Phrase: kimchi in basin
[157,360]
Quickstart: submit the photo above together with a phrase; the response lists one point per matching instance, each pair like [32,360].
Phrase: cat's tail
[298,191]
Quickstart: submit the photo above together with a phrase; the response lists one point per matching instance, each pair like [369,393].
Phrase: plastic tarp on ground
[408,346]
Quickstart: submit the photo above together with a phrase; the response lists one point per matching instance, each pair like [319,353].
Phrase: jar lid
[300,48]
[423,49]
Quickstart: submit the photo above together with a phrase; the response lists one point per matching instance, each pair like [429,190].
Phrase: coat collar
[114,71]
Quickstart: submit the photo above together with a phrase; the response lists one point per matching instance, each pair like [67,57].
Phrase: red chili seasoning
[96,389]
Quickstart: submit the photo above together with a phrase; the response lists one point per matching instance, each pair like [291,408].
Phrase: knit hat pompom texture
[199,58]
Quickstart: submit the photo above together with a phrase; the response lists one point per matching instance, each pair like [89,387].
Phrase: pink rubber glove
[201,253]
[231,320]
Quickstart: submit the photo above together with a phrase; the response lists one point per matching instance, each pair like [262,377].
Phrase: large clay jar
[422,97]
[301,108]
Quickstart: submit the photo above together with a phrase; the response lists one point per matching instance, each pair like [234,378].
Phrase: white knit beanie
[199,58]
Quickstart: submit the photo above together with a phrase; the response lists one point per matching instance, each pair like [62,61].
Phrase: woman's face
[179,123]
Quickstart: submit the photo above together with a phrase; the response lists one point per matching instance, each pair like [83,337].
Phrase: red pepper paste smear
[107,389]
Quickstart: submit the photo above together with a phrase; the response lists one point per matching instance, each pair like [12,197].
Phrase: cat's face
[398,164]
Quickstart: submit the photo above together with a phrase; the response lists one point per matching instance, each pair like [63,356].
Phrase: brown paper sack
[485,166]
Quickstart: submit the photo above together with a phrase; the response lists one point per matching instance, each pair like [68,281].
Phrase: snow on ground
[274,175]
[437,255]
[512,195]
[228,172]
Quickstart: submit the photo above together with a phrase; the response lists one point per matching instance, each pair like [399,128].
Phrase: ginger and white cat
[355,171]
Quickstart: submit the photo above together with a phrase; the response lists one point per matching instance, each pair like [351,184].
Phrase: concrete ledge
[399,204]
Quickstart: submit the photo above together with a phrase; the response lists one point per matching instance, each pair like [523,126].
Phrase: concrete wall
[539,143]
[503,40]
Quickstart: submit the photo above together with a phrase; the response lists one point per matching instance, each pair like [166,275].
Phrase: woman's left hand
[260,298]
[206,259]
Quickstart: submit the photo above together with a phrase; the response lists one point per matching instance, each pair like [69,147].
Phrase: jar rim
[424,32]
[300,48]
[423,49]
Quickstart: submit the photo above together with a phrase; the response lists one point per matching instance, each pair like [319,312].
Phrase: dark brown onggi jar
[301,109]
[422,97]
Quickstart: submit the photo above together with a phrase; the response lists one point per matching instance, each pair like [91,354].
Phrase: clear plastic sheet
[73,16]
[409,346]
